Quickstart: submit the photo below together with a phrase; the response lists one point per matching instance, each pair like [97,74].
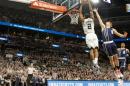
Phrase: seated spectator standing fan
[30,70]
[19,55]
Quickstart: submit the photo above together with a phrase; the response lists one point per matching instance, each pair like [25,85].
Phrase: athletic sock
[96,59]
[94,62]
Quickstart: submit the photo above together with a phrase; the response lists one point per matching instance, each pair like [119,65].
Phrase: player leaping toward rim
[91,38]
[108,43]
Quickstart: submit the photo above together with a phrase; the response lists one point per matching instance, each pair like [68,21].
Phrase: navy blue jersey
[123,52]
[107,34]
[109,45]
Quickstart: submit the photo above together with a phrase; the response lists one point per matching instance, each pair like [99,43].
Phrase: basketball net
[74,15]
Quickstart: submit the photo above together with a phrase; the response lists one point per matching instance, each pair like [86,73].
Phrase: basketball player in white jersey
[91,37]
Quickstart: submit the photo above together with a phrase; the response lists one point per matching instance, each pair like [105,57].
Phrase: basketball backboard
[70,4]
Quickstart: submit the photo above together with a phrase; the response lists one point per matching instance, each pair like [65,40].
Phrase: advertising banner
[86,83]
[41,5]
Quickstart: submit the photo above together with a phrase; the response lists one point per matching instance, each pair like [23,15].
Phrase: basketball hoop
[74,15]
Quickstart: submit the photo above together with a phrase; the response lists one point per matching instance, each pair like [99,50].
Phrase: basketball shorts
[122,62]
[110,49]
[92,40]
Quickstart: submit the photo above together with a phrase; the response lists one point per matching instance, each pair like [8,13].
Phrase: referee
[30,71]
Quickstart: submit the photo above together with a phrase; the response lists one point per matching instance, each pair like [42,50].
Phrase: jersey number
[89,26]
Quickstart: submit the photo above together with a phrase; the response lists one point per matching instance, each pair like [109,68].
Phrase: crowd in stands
[52,67]
[39,19]
[48,66]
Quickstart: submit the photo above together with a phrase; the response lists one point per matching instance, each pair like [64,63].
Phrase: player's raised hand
[95,9]
[80,1]
[125,34]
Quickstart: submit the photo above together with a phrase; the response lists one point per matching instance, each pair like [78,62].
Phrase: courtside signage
[81,83]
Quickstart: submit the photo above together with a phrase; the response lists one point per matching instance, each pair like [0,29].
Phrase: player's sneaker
[97,66]
[96,70]
[93,68]
[121,76]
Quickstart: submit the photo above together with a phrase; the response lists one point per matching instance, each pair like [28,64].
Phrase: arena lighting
[3,39]
[95,1]
[107,1]
[55,45]
[87,51]
[19,54]
[127,7]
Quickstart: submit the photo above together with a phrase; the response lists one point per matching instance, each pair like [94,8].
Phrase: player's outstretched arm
[81,14]
[99,19]
[128,51]
[119,34]
[118,49]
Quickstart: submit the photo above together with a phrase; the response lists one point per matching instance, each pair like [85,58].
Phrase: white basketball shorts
[92,40]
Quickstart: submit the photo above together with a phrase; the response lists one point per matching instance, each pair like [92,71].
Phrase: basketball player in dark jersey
[123,53]
[109,45]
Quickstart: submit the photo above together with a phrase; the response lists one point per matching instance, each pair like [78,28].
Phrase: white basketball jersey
[88,26]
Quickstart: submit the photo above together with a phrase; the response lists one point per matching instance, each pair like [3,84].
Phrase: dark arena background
[40,47]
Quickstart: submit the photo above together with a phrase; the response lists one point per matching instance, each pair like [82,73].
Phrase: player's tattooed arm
[99,19]
[119,34]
